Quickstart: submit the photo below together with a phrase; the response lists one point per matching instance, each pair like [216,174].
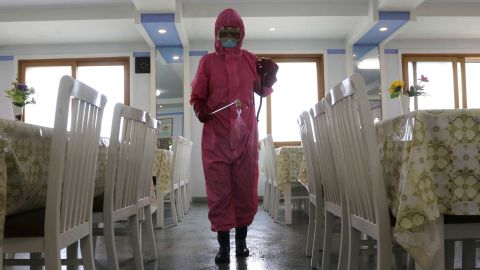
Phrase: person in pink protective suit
[230,75]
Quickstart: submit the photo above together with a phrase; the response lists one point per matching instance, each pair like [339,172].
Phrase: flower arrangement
[397,88]
[20,94]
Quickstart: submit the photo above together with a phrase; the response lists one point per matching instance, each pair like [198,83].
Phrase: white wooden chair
[315,209]
[67,217]
[275,192]
[333,191]
[144,201]
[358,164]
[185,174]
[178,173]
[171,198]
[124,179]
[263,160]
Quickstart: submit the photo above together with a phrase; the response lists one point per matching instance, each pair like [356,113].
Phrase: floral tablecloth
[289,160]
[161,169]
[24,157]
[431,166]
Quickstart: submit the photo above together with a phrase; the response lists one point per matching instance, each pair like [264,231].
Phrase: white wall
[139,83]
[6,78]
[391,107]
[334,67]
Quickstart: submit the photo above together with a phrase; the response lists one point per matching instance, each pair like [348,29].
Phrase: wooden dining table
[431,167]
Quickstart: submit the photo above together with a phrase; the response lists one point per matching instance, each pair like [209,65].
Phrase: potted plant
[397,90]
[21,95]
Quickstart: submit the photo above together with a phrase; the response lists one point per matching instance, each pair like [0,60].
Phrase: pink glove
[201,111]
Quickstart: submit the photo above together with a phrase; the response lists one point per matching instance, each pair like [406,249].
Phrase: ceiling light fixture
[162,31]
[175,57]
[161,106]
[383,29]
[158,92]
[272,28]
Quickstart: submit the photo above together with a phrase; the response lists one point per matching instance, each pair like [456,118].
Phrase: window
[110,76]
[299,86]
[453,80]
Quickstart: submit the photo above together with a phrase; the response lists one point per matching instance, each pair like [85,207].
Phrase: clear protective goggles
[229,32]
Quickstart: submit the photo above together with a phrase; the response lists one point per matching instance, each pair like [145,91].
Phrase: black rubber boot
[223,255]
[241,249]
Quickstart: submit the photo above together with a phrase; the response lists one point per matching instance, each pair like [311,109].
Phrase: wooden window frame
[289,58]
[77,62]
[456,59]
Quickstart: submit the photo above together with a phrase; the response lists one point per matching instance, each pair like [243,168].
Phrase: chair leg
[133,223]
[318,237]
[288,203]
[178,204]
[344,242]
[173,207]
[152,250]
[86,245]
[185,199]
[109,234]
[52,258]
[273,194]
[468,254]
[276,204]
[450,254]
[311,228]
[384,252]
[72,256]
[354,249]
[35,256]
[327,240]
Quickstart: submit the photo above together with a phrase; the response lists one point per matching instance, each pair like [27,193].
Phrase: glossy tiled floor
[191,245]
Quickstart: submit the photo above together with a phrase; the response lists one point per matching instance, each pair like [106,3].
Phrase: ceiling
[57,3]
[67,32]
[31,22]
[337,27]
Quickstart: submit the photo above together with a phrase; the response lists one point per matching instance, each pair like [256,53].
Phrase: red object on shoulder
[267,71]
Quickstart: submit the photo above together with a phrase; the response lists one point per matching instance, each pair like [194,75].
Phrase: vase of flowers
[397,90]
[21,95]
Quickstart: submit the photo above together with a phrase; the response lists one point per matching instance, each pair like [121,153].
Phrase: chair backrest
[73,158]
[309,152]
[332,192]
[176,165]
[188,159]
[125,158]
[354,141]
[148,156]
[271,164]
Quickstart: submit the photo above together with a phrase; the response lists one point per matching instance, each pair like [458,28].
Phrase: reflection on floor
[191,245]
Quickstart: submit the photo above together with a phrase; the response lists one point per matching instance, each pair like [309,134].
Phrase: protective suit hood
[228,17]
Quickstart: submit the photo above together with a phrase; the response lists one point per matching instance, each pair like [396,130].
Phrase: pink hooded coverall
[229,144]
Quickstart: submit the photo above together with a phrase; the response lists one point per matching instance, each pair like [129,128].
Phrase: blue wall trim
[390,51]
[394,15]
[154,18]
[6,57]
[336,51]
[141,54]
[198,53]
